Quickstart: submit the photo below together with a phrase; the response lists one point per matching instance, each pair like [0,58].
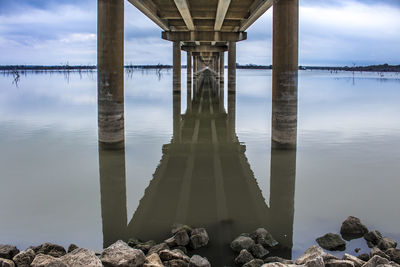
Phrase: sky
[332,32]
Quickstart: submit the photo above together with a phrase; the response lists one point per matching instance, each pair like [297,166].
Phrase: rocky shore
[252,250]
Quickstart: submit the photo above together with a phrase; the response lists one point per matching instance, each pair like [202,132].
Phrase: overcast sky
[332,32]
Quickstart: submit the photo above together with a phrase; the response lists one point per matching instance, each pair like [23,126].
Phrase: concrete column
[221,67]
[285,73]
[189,67]
[232,117]
[177,66]
[176,113]
[232,67]
[110,75]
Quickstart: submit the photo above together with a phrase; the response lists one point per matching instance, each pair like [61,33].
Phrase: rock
[364,257]
[168,255]
[242,242]
[278,264]
[376,251]
[258,251]
[263,237]
[356,250]
[42,260]
[243,257]
[331,242]
[198,238]
[394,254]
[157,248]
[51,249]
[373,237]
[317,262]
[197,261]
[386,243]
[170,241]
[352,228]
[8,251]
[146,246]
[6,263]
[312,253]
[258,234]
[375,261]
[133,242]
[339,263]
[179,227]
[120,254]
[182,238]
[183,249]
[357,262]
[153,260]
[82,257]
[72,247]
[254,263]
[176,263]
[277,259]
[24,258]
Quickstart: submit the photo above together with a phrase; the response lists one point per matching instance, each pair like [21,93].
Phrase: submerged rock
[82,257]
[8,251]
[42,260]
[331,242]
[198,261]
[243,257]
[353,228]
[198,238]
[120,254]
[242,242]
[24,258]
[6,263]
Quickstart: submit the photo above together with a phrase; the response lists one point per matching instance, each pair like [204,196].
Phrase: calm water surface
[58,186]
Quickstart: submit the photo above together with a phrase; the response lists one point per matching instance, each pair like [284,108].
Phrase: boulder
[170,241]
[181,238]
[176,263]
[179,227]
[82,257]
[197,261]
[254,263]
[120,254]
[145,246]
[386,243]
[317,262]
[394,254]
[376,251]
[8,251]
[71,248]
[258,234]
[339,263]
[6,263]
[375,261]
[243,257]
[42,260]
[312,253]
[157,248]
[357,262]
[183,249]
[198,238]
[24,258]
[373,237]
[353,228]
[263,237]
[153,260]
[331,242]
[242,242]
[258,251]
[133,242]
[277,259]
[51,249]
[168,255]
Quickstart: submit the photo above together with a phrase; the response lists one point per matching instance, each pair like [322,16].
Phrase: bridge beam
[204,36]
[222,8]
[285,73]
[148,8]
[258,8]
[183,8]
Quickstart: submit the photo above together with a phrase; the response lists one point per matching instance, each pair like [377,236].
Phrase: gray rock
[394,254]
[254,263]
[376,251]
[8,251]
[170,241]
[198,238]
[176,263]
[197,261]
[145,246]
[339,263]
[317,262]
[42,260]
[258,251]
[179,227]
[24,258]
[331,242]
[6,263]
[277,259]
[168,255]
[375,261]
[373,237]
[71,248]
[258,234]
[242,242]
[181,238]
[243,257]
[153,260]
[82,257]
[133,242]
[183,249]
[51,249]
[157,248]
[120,254]
[353,228]
[279,264]
[386,243]
[357,262]
[364,257]
[312,253]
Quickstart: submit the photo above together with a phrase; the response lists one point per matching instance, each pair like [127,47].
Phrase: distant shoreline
[370,68]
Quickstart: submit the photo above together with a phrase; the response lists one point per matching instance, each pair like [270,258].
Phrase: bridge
[205,30]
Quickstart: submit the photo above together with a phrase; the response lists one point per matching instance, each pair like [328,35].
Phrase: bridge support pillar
[177,66]
[176,113]
[232,67]
[189,67]
[285,73]
[110,66]
[221,67]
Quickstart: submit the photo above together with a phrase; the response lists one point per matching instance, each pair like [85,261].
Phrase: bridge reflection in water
[204,179]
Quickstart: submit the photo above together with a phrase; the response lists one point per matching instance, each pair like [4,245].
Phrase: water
[58,186]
